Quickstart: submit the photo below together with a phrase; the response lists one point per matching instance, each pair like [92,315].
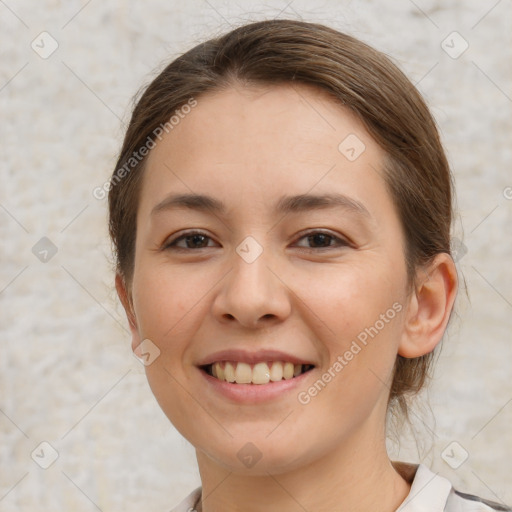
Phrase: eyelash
[172,244]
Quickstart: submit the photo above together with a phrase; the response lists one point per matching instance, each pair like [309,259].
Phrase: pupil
[319,238]
[196,239]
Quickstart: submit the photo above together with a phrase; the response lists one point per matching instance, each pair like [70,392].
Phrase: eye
[192,240]
[199,240]
[323,239]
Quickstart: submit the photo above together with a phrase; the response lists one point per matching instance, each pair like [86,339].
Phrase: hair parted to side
[356,76]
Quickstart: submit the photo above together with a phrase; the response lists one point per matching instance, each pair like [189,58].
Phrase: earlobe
[124,297]
[429,308]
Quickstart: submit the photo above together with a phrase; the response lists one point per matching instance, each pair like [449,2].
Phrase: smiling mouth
[259,373]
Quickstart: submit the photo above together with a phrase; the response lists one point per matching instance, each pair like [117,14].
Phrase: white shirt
[429,493]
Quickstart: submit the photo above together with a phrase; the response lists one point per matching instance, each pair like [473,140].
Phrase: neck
[357,476]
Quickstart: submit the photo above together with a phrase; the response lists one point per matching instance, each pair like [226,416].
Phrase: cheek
[166,301]
[347,299]
[356,316]
[169,306]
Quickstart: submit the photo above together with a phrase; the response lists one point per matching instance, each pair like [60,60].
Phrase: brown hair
[355,75]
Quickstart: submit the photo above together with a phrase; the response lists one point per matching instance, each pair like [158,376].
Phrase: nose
[252,294]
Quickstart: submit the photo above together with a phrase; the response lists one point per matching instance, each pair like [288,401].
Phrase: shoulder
[460,501]
[429,492]
[434,493]
[192,503]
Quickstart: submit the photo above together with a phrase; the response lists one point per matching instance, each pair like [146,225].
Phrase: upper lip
[245,356]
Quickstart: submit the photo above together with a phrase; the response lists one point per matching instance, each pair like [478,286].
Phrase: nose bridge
[251,273]
[251,291]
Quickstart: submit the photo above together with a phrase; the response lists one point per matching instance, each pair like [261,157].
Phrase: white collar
[429,491]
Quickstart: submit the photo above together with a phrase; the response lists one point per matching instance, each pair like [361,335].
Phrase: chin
[256,458]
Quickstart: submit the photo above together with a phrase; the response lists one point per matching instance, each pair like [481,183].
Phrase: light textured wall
[67,373]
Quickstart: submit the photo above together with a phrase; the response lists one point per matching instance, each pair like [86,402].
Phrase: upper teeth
[259,373]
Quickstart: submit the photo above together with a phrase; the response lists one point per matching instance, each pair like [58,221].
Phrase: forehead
[260,140]
[288,115]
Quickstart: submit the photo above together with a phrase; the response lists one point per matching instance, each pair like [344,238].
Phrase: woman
[281,213]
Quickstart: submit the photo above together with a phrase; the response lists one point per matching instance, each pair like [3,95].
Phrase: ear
[429,308]
[126,300]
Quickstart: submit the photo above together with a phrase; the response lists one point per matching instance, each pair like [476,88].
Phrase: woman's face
[298,257]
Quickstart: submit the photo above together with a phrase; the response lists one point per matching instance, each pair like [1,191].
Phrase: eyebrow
[286,204]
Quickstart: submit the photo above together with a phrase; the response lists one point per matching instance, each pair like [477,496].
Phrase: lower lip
[255,393]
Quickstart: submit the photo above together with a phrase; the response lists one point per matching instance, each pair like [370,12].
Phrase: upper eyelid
[184,235]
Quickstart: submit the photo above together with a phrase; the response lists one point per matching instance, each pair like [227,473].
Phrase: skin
[247,147]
